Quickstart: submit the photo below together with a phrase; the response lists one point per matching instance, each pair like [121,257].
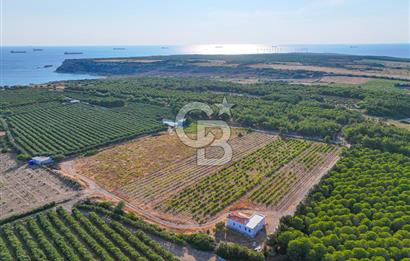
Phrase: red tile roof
[239,217]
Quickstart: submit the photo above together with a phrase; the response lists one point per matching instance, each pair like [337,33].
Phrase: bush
[90,153]
[200,241]
[236,252]
[23,157]
[119,209]
[57,157]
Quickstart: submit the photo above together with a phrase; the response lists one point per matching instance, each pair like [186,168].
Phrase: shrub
[236,252]
[23,157]
[200,241]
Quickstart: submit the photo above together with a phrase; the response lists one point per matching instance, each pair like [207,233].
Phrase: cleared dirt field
[23,188]
[388,72]
[117,166]
[399,124]
[158,186]
[216,63]
[344,80]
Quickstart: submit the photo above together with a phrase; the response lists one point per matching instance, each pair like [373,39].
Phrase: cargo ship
[12,51]
[118,48]
[37,49]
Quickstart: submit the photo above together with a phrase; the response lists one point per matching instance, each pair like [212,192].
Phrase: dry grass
[23,188]
[216,63]
[344,80]
[393,73]
[126,60]
[399,124]
[117,166]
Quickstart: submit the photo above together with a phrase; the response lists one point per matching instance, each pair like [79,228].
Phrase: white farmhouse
[248,225]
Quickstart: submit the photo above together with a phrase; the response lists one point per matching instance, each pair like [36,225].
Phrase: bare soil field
[151,190]
[388,72]
[218,63]
[399,124]
[23,188]
[344,80]
[119,165]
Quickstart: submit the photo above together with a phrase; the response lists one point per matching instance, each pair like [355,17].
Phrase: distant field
[399,124]
[368,72]
[56,128]
[17,97]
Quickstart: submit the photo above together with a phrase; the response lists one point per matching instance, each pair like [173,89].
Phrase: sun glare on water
[231,49]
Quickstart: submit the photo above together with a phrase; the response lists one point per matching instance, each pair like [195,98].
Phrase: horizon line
[144,45]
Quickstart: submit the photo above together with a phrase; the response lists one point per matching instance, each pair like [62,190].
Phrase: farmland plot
[59,235]
[115,167]
[122,164]
[274,187]
[154,188]
[275,169]
[23,189]
[52,129]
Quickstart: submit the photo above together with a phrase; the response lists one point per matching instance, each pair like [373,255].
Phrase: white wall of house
[241,228]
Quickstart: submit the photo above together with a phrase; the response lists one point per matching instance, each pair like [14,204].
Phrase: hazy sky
[158,22]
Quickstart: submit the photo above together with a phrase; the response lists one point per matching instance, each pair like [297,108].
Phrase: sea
[25,65]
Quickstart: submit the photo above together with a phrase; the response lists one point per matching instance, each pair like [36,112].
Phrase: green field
[218,190]
[20,96]
[274,187]
[59,235]
[57,128]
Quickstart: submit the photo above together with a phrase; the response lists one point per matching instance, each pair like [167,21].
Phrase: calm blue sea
[39,66]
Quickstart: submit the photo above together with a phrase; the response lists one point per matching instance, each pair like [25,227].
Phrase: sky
[181,22]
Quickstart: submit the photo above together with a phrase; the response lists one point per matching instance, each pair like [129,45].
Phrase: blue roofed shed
[41,160]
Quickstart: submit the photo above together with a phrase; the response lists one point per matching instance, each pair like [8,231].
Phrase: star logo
[224,107]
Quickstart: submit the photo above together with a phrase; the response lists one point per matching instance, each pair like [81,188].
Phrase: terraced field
[65,129]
